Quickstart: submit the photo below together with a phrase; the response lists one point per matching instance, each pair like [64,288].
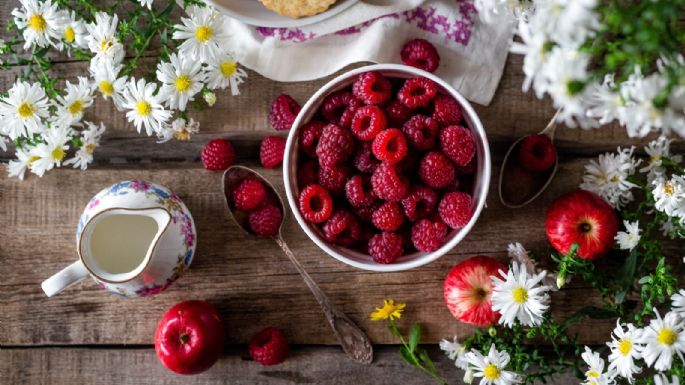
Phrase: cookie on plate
[297,8]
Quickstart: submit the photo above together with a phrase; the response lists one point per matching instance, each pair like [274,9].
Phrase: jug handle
[65,278]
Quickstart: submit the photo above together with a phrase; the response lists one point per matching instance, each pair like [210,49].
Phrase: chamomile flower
[179,129]
[78,97]
[19,166]
[678,303]
[661,379]
[608,177]
[223,71]
[108,84]
[90,140]
[456,352]
[663,338]
[658,150]
[627,240]
[625,349]
[643,115]
[568,22]
[73,32]
[534,48]
[604,103]
[23,109]
[595,374]
[51,153]
[40,22]
[203,31]
[181,79]
[102,40]
[491,368]
[144,107]
[518,253]
[669,195]
[518,295]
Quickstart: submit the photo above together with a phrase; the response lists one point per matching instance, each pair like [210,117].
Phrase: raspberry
[269,347]
[372,88]
[307,173]
[397,113]
[310,135]
[249,194]
[455,209]
[388,216]
[368,121]
[446,110]
[388,183]
[284,110]
[271,151]
[421,131]
[316,204]
[342,228]
[265,221]
[339,108]
[436,171]
[363,158]
[358,191]
[218,154]
[390,146]
[537,153]
[427,235]
[385,247]
[336,145]
[420,202]
[333,178]
[421,54]
[417,92]
[458,144]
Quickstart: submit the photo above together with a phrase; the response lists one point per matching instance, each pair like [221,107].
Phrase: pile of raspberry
[255,204]
[386,167]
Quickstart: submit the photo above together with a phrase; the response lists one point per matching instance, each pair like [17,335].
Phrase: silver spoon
[353,340]
[518,187]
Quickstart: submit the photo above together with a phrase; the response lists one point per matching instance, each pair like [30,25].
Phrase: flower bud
[561,279]
[468,376]
[492,331]
[210,98]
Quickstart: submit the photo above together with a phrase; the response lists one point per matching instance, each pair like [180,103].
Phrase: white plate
[254,13]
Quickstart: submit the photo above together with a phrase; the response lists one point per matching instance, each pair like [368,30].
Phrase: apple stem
[184,337]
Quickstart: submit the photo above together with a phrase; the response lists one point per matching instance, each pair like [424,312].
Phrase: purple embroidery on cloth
[286,34]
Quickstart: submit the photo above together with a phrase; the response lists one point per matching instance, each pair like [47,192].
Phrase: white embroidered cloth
[472,53]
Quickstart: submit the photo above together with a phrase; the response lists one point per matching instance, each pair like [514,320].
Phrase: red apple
[468,288]
[584,218]
[190,337]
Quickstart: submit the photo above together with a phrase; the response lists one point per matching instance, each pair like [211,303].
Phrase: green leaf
[423,355]
[414,337]
[408,356]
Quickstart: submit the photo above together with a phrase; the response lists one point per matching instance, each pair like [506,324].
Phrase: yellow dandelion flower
[390,310]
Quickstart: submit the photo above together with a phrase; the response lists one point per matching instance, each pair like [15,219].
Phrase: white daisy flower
[144,107]
[678,303]
[519,296]
[102,40]
[670,196]
[179,129]
[668,229]
[40,22]
[491,367]
[70,107]
[146,3]
[182,78]
[595,374]
[223,71]
[658,150]
[608,177]
[642,115]
[22,110]
[625,350]
[105,79]
[456,352]
[19,166]
[73,32]
[203,31]
[518,253]
[90,140]
[51,153]
[604,103]
[533,47]
[627,240]
[663,338]
[661,379]
[568,22]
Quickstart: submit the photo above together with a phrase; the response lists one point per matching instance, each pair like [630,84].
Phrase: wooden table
[86,335]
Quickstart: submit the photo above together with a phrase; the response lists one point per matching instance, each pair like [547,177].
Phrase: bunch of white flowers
[45,123]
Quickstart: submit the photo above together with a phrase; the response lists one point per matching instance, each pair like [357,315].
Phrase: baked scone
[297,8]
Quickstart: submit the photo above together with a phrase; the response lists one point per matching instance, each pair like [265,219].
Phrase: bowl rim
[426,258]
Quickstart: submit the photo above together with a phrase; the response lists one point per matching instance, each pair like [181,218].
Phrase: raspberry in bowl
[386,167]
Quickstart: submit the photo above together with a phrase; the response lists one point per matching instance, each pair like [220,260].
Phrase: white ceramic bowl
[355,258]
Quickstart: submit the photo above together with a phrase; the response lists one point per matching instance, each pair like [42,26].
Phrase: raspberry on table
[271,151]
[397,113]
[421,54]
[455,209]
[315,203]
[390,146]
[342,228]
[333,178]
[249,194]
[310,134]
[446,110]
[307,173]
[284,110]
[358,191]
[458,144]
[218,154]
[388,216]
[269,347]
[339,108]
[420,202]
[386,247]
[436,171]
[417,92]
[427,235]
[335,145]
[421,131]
[367,122]
[372,88]
[388,183]
[537,153]
[265,221]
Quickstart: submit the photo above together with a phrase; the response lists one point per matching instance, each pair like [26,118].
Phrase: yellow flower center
[182,135]
[69,34]
[668,189]
[183,83]
[26,110]
[491,372]
[624,347]
[666,336]
[33,159]
[144,108]
[228,68]
[203,33]
[106,88]
[592,374]
[105,45]
[58,154]
[76,107]
[90,147]
[520,295]
[37,22]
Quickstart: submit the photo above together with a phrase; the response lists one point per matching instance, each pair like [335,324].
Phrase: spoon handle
[354,341]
